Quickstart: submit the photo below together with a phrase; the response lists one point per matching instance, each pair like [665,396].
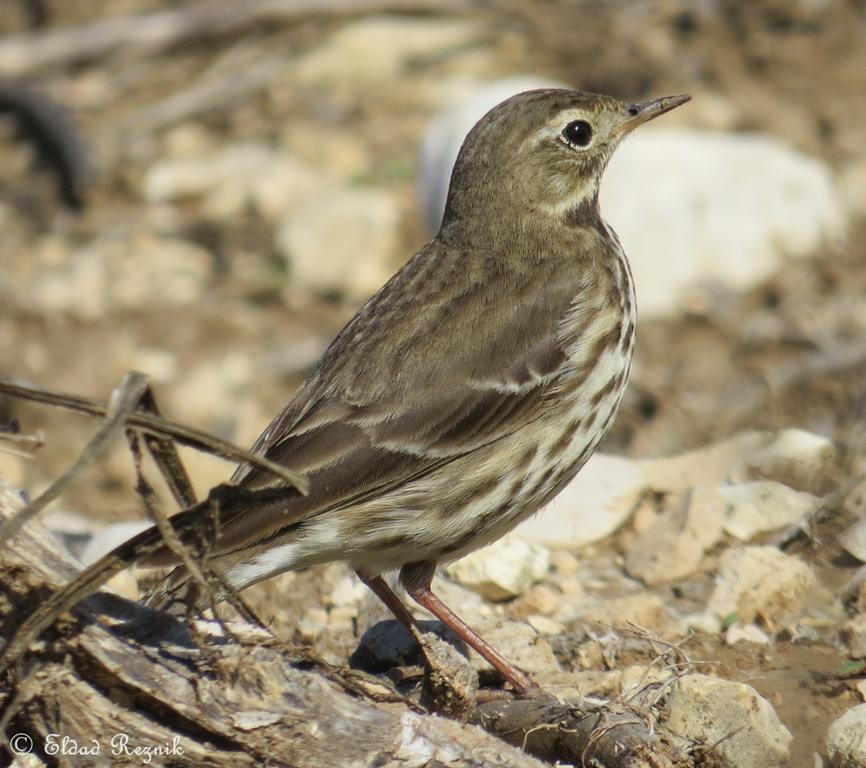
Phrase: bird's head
[542,151]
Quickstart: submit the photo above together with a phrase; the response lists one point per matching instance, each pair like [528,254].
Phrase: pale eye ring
[578,133]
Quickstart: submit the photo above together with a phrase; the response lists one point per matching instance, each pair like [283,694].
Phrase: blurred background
[207,191]
[214,188]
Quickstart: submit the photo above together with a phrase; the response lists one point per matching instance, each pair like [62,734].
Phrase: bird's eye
[578,133]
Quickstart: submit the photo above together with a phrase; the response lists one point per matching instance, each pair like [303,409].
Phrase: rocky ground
[254,181]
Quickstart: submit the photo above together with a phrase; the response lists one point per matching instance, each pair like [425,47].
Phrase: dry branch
[152,424]
[580,733]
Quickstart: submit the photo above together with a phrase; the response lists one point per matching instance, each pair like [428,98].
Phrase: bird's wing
[424,374]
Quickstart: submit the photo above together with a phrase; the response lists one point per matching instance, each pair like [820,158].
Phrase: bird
[462,397]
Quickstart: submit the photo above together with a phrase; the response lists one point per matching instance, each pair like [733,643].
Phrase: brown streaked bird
[466,393]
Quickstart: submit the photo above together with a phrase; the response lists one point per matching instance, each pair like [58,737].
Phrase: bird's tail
[194,526]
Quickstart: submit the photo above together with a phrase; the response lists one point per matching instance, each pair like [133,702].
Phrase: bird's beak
[646,110]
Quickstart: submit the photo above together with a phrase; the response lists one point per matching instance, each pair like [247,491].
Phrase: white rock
[64,521]
[103,541]
[795,457]
[607,490]
[346,244]
[784,203]
[238,177]
[123,273]
[741,724]
[348,591]
[593,505]
[517,642]
[759,581]
[674,544]
[179,178]
[503,570]
[643,609]
[544,625]
[853,539]
[748,633]
[699,622]
[379,48]
[707,466]
[764,505]
[853,634]
[846,739]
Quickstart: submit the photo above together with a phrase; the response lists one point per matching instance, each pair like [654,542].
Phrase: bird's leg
[386,595]
[416,577]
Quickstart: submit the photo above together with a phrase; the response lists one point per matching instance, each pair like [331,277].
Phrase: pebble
[763,505]
[643,609]
[794,457]
[518,642]
[760,582]
[740,723]
[708,466]
[748,633]
[673,545]
[544,625]
[503,570]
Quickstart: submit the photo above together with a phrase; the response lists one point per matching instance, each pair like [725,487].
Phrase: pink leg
[386,595]
[416,577]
